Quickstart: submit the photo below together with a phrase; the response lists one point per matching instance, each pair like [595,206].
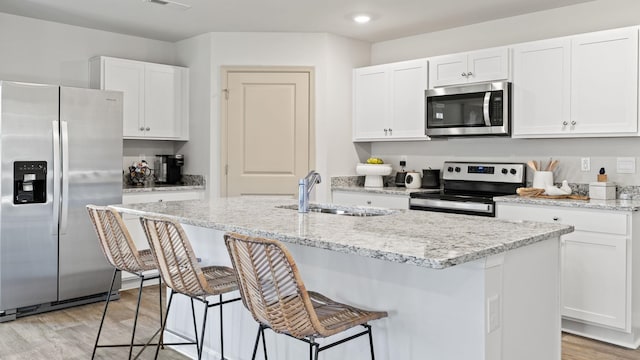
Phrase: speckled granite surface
[189,182]
[620,205]
[422,238]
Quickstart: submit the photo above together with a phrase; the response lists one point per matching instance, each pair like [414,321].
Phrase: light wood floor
[69,334]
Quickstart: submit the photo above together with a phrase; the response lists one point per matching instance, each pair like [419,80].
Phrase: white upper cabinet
[388,101]
[156,96]
[478,66]
[541,87]
[579,86]
[604,82]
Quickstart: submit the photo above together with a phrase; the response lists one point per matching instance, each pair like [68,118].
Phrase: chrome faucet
[304,188]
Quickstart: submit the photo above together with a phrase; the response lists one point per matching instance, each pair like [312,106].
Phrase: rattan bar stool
[121,252]
[272,290]
[181,272]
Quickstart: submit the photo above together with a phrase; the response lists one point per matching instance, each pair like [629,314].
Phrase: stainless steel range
[469,187]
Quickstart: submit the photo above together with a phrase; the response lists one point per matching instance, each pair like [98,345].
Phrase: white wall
[332,57]
[581,18]
[587,17]
[195,53]
[52,53]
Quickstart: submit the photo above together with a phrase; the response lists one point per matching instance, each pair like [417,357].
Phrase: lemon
[374,160]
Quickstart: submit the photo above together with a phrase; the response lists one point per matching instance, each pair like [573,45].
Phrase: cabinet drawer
[148,197]
[601,221]
[369,199]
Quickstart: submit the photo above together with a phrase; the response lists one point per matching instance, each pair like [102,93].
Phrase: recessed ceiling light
[362,18]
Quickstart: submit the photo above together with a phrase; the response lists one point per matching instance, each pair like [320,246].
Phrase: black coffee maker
[168,168]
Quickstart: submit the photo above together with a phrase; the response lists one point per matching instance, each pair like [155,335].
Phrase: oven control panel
[485,172]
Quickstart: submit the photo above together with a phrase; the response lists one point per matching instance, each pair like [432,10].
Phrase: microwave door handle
[485,108]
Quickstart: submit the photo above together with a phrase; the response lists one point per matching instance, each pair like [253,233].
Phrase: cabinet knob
[555,218]
[141,128]
[368,202]
[564,123]
[385,131]
[573,122]
[148,128]
[469,74]
[390,131]
[464,74]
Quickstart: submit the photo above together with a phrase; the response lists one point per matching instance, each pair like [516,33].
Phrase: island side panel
[531,317]
[440,314]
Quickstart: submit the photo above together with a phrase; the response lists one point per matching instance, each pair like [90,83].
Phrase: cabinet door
[594,281]
[488,65]
[447,70]
[128,77]
[162,88]
[541,88]
[594,268]
[370,97]
[408,83]
[604,91]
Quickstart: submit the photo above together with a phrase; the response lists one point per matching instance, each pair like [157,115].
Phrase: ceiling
[391,18]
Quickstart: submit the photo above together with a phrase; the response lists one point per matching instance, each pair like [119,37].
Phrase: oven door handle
[453,205]
[485,108]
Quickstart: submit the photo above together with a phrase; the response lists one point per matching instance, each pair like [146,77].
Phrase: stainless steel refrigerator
[60,149]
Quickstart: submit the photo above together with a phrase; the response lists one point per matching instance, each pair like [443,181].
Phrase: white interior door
[268,131]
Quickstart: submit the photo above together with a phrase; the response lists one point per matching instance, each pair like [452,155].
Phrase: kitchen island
[455,286]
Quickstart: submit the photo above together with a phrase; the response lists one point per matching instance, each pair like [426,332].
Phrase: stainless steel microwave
[480,109]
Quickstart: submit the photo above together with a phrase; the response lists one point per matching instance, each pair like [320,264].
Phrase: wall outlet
[585,164]
[493,313]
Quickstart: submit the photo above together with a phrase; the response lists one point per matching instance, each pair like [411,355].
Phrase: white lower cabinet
[357,198]
[132,222]
[597,269]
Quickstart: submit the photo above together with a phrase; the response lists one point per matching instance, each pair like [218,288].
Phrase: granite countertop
[422,238]
[618,204]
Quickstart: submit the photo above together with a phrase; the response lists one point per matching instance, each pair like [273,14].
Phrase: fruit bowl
[373,173]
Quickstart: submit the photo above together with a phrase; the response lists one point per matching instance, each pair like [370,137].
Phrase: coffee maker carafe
[168,168]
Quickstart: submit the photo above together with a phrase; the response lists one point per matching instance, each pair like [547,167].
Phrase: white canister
[413,180]
[542,179]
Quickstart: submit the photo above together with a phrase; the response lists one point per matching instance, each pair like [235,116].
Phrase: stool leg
[164,324]
[135,319]
[161,339]
[104,313]
[221,331]
[373,357]
[264,344]
[195,326]
[204,325]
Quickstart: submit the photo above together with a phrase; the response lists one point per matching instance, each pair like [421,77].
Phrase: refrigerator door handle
[55,127]
[64,214]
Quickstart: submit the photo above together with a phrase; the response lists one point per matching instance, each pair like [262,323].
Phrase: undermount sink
[338,210]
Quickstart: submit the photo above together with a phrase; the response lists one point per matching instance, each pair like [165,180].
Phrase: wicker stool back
[272,289]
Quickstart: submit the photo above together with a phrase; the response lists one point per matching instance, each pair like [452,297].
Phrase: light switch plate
[626,165]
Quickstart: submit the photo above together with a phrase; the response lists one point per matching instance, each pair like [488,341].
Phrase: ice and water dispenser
[29,182]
